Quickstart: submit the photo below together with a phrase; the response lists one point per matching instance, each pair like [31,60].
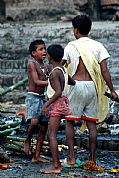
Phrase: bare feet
[27,147]
[39,160]
[51,170]
[71,161]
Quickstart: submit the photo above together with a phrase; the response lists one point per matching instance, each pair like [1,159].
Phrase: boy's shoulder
[49,67]
[61,69]
[31,63]
[30,60]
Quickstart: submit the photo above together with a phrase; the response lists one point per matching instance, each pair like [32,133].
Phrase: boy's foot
[11,161]
[77,164]
[51,170]
[71,161]
[39,160]
[27,147]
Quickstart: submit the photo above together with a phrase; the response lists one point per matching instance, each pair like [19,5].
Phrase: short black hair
[33,45]
[83,23]
[56,52]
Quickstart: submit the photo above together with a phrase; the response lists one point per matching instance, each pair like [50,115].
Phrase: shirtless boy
[37,73]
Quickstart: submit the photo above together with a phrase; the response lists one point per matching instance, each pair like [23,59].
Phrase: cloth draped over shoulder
[94,70]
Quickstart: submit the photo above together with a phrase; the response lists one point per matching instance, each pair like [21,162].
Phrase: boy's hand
[114,95]
[44,110]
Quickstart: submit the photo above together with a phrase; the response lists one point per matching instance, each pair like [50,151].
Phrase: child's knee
[34,122]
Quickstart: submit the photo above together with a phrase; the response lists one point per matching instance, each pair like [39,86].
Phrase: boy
[37,72]
[57,105]
[87,64]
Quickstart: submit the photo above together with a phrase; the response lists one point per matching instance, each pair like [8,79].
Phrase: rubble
[109,10]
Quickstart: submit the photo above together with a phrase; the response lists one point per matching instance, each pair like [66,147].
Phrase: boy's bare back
[81,73]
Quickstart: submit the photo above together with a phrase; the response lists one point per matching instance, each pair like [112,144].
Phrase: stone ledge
[103,142]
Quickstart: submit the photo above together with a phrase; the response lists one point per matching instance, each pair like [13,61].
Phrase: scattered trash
[114,170]
[90,165]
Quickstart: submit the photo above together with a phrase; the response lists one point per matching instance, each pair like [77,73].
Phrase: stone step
[103,142]
[16,96]
[8,80]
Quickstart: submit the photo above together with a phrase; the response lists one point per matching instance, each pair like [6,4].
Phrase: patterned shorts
[34,104]
[60,107]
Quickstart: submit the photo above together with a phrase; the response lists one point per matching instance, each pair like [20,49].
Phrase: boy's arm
[34,76]
[107,78]
[70,80]
[49,68]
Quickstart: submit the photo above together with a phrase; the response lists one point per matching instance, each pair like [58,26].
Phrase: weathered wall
[53,9]
[43,9]
[40,9]
[2,10]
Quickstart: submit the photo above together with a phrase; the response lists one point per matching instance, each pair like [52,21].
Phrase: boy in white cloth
[87,64]
[58,105]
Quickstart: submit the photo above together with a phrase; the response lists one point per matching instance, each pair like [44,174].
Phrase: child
[57,105]
[37,72]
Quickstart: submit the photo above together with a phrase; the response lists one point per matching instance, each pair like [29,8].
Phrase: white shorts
[83,99]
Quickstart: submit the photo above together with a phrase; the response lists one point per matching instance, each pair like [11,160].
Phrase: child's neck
[57,64]
[40,62]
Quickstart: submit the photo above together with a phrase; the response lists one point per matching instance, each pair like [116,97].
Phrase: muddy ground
[23,168]
[106,158]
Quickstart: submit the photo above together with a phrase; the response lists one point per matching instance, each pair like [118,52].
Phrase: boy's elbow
[58,94]
[63,61]
[105,72]
[72,82]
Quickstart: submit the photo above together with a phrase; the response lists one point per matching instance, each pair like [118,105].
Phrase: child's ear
[49,57]
[33,53]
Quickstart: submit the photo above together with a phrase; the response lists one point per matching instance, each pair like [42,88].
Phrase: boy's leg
[70,141]
[31,130]
[53,127]
[92,139]
[40,139]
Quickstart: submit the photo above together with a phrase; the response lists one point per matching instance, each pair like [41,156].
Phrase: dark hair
[56,52]
[33,45]
[82,23]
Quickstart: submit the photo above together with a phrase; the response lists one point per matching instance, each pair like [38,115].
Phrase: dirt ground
[23,168]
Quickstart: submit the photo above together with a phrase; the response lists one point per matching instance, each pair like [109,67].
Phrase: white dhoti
[83,99]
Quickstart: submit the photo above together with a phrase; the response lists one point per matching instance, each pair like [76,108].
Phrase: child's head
[82,23]
[34,45]
[56,52]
